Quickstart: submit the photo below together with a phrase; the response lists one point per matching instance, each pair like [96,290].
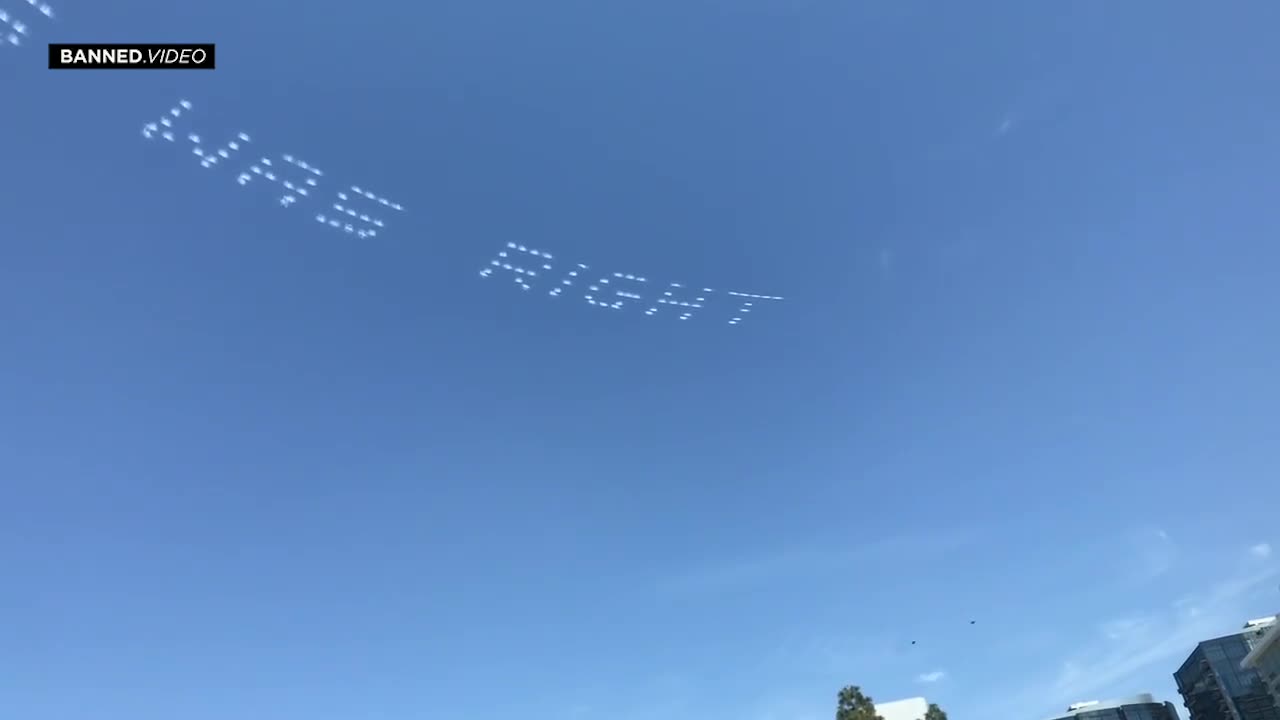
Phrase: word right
[603,292]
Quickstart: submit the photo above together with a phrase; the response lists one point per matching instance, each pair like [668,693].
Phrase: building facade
[1264,659]
[1138,707]
[909,709]
[1214,684]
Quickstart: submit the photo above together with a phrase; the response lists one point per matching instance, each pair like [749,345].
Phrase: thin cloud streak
[1136,645]
[768,567]
[1007,126]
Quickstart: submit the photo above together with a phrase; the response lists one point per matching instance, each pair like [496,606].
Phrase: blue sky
[1024,373]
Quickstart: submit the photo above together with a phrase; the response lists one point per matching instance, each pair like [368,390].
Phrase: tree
[935,713]
[851,704]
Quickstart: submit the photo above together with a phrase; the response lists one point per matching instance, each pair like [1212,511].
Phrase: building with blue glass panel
[1138,707]
[1215,685]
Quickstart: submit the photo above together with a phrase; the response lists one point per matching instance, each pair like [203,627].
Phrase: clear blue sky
[1025,371]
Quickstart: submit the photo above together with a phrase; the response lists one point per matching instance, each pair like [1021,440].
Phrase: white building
[909,709]
[1264,658]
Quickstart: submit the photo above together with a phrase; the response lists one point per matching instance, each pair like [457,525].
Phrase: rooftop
[1094,705]
[909,709]
[1267,642]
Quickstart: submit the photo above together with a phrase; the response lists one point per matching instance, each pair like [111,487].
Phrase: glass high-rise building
[1214,685]
[1138,707]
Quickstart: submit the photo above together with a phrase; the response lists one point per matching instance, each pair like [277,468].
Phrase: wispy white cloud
[1148,644]
[1261,550]
[787,564]
[1133,649]
[1157,554]
[1122,628]
[1160,638]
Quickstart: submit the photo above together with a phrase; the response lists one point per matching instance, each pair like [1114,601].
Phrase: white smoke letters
[612,291]
[14,31]
[356,210]
[298,178]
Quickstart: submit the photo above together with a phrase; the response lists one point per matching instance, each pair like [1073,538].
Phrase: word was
[115,56]
[13,30]
[614,291]
[352,210]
